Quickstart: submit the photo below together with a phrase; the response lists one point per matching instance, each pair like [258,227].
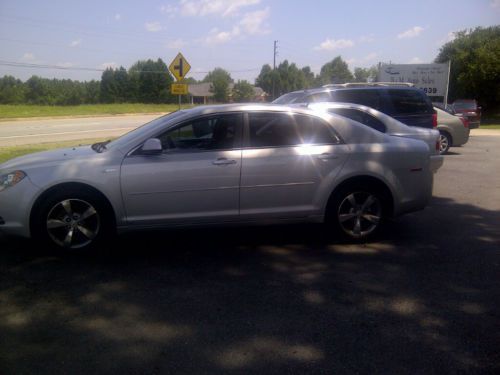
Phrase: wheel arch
[365,180]
[35,209]
[448,133]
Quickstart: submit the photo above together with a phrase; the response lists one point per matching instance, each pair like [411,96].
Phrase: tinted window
[409,102]
[360,116]
[281,129]
[370,98]
[319,97]
[292,97]
[206,133]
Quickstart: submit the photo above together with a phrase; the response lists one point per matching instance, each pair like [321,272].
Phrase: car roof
[354,88]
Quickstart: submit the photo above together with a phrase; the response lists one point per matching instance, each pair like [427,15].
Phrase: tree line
[475,73]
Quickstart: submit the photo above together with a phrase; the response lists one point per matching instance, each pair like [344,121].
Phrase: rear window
[409,102]
[370,98]
[291,97]
[361,117]
[465,105]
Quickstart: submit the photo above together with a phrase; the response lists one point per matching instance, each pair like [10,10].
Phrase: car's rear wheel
[357,212]
[73,221]
[444,142]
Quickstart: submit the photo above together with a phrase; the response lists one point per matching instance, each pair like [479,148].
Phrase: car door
[195,179]
[288,162]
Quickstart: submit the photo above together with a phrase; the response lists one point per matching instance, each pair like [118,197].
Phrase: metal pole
[274,66]
[447,85]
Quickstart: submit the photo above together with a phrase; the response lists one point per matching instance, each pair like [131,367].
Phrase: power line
[18,64]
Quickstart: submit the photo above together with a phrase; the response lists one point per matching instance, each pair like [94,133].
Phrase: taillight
[465,121]
[434,120]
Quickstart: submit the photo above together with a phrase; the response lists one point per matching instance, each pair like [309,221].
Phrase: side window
[370,98]
[409,102]
[361,117]
[281,129]
[206,133]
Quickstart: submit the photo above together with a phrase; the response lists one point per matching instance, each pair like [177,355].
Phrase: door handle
[327,156]
[223,161]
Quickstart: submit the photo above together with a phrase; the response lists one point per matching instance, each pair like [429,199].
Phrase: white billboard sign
[431,78]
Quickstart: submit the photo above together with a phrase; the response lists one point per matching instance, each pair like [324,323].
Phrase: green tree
[243,91]
[12,90]
[335,71]
[287,77]
[220,80]
[150,82]
[475,65]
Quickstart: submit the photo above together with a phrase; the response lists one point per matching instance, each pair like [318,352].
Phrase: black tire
[444,142]
[356,212]
[73,220]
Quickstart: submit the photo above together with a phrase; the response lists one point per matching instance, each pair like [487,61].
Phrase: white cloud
[366,38]
[216,7]
[415,60]
[332,44]
[153,26]
[220,37]
[28,56]
[411,33]
[176,44]
[65,64]
[118,17]
[75,43]
[370,57]
[495,3]
[106,65]
[448,38]
[351,61]
[169,9]
[252,23]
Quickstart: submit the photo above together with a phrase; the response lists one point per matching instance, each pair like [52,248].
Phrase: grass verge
[10,152]
[8,111]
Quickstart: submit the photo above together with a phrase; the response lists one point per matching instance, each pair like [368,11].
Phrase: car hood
[48,157]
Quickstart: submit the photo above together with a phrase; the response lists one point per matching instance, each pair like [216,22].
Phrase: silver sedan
[218,165]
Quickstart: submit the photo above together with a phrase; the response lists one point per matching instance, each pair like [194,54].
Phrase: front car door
[289,162]
[195,179]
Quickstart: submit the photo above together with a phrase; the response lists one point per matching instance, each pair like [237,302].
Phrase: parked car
[470,109]
[382,123]
[218,165]
[405,103]
[454,130]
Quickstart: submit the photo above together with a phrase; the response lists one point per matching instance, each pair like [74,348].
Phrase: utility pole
[274,64]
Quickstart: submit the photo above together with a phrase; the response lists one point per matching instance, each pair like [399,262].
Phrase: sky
[81,38]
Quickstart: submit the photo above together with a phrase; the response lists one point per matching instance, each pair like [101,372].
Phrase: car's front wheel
[357,212]
[72,220]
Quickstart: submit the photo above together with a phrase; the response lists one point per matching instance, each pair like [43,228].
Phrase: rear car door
[195,179]
[287,162]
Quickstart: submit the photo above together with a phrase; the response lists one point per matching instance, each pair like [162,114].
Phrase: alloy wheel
[73,223]
[359,214]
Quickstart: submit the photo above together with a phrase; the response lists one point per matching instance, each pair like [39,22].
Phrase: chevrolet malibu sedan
[218,165]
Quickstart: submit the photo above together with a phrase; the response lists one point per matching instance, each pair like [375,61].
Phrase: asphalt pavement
[424,298]
[23,132]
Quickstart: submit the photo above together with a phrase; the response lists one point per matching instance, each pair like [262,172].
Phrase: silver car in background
[453,129]
[383,123]
[218,165]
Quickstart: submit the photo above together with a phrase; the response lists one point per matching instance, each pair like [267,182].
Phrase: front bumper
[436,162]
[15,208]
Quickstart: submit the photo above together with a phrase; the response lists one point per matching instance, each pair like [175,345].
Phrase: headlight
[10,179]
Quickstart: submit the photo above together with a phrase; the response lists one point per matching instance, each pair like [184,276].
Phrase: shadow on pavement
[423,298]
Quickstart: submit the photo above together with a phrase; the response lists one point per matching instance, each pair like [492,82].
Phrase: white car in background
[453,129]
[243,163]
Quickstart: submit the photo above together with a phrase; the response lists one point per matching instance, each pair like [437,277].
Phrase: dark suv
[405,103]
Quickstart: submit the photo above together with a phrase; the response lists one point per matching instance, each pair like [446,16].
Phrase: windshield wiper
[100,146]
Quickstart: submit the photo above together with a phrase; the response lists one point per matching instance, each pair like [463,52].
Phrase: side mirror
[152,147]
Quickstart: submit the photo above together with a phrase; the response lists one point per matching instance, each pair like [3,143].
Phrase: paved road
[424,298]
[24,132]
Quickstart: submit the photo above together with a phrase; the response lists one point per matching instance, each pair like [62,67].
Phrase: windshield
[136,133]
[292,97]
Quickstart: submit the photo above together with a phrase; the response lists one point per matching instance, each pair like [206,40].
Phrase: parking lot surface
[424,297]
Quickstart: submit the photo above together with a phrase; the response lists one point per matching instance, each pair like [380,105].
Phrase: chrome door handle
[223,161]
[327,156]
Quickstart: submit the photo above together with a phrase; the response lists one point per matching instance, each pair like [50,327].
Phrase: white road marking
[66,133]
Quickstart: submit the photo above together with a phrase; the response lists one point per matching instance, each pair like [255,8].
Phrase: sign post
[179,67]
